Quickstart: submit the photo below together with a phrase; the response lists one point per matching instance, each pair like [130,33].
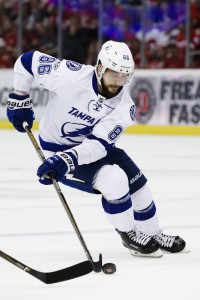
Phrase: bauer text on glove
[19,110]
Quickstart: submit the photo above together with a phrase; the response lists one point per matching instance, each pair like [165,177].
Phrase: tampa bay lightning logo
[72,131]
[73,65]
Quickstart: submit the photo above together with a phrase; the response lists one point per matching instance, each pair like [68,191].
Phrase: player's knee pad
[143,205]
[112,182]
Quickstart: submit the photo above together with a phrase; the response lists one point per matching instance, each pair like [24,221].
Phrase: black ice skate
[170,243]
[140,244]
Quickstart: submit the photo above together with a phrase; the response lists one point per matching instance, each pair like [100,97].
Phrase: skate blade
[185,250]
[155,254]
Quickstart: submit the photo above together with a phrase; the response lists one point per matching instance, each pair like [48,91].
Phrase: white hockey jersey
[76,116]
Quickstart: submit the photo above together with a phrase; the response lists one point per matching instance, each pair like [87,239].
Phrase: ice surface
[34,227]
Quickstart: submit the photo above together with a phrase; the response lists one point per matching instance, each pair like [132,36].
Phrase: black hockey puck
[109,268]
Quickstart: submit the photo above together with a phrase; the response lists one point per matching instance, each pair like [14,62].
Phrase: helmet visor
[116,78]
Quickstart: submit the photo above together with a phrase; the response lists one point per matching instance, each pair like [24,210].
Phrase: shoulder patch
[56,65]
[73,66]
[132,112]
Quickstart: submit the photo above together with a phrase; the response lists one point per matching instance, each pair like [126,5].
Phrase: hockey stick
[75,271]
[97,266]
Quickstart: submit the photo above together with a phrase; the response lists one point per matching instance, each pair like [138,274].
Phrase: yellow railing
[137,129]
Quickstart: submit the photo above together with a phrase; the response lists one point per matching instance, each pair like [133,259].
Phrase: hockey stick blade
[72,272]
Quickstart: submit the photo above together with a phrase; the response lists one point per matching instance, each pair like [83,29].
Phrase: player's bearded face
[111,82]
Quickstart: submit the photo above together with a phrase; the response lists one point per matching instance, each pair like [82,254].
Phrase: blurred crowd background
[165,30]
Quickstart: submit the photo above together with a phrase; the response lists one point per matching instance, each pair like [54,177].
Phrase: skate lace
[139,237]
[165,240]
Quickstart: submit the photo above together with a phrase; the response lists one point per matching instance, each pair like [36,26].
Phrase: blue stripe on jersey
[94,84]
[106,145]
[145,214]
[52,146]
[117,207]
[26,60]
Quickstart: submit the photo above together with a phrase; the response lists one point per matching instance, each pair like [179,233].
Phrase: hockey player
[88,109]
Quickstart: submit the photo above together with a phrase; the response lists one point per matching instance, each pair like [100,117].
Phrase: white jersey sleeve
[37,66]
